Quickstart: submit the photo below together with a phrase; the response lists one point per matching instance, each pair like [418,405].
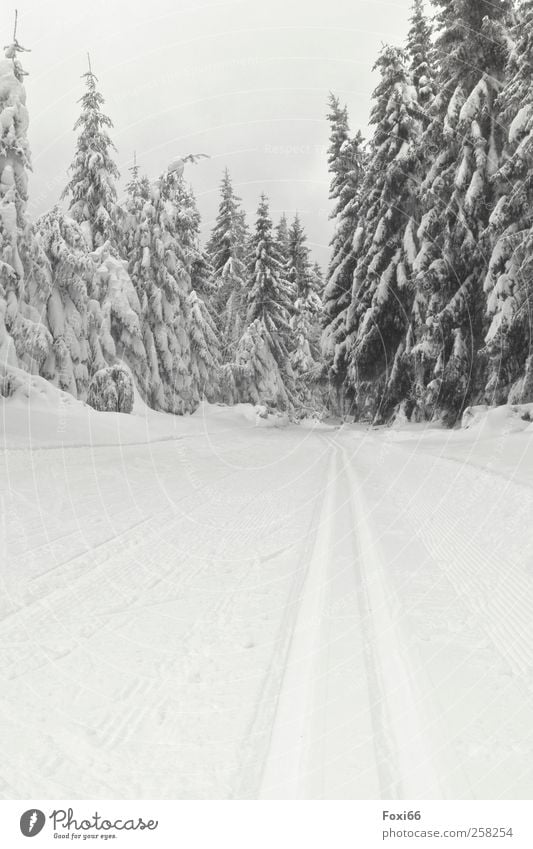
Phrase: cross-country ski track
[222,610]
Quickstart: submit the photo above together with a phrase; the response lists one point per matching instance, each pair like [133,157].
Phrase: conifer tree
[305,323]
[305,356]
[159,269]
[61,286]
[137,195]
[138,223]
[121,334]
[318,278]
[463,146]
[88,304]
[263,373]
[226,252]
[205,351]
[202,278]
[420,52]
[338,165]
[282,238]
[267,299]
[111,390]
[345,161]
[283,247]
[165,263]
[298,263]
[24,339]
[377,317]
[203,335]
[91,188]
[257,378]
[508,282]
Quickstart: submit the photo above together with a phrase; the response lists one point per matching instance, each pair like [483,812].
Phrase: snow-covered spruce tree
[345,161]
[177,327]
[283,247]
[338,166]
[205,351]
[135,240]
[121,316]
[137,195]
[91,190]
[24,340]
[158,267]
[339,169]
[202,278]
[195,257]
[298,263]
[282,238]
[508,283]
[318,278]
[61,285]
[307,283]
[226,252]
[421,63]
[111,390]
[463,146]
[263,374]
[377,318]
[420,51]
[88,304]
[202,331]
[305,356]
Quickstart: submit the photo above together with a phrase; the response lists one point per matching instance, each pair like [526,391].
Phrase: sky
[244,81]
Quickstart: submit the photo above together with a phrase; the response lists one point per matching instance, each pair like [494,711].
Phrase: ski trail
[413,775]
[279,616]
[256,750]
[286,767]
[347,723]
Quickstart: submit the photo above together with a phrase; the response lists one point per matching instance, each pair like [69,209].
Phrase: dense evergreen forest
[424,308]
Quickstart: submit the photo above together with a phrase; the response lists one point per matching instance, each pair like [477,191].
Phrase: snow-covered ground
[220,606]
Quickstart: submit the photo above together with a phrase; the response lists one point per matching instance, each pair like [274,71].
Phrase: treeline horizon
[424,309]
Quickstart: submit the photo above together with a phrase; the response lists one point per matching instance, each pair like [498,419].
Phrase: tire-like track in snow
[346,723]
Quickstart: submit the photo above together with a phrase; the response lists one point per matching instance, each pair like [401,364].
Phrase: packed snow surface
[229,606]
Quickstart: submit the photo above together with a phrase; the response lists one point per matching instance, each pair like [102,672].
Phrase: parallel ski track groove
[384,743]
[254,761]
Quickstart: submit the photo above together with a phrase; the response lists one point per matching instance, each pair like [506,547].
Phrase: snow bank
[20,387]
[494,421]
[36,414]
[257,415]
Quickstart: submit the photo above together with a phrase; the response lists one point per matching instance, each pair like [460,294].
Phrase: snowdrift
[36,414]
[491,421]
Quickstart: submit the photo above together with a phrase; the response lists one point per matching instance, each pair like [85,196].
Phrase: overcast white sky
[245,81]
